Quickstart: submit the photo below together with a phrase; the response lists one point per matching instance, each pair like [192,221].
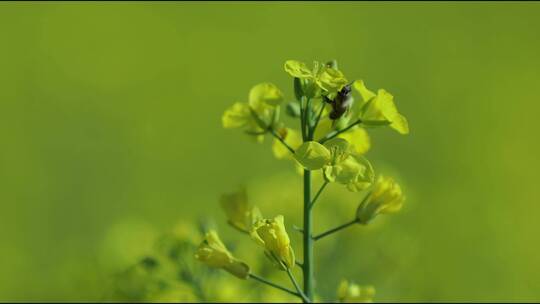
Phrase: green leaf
[312,155]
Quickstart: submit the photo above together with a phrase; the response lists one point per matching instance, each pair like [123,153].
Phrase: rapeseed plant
[331,140]
[329,146]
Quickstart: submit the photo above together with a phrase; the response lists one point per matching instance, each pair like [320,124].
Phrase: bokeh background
[110,124]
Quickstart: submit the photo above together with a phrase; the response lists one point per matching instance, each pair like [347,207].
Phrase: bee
[341,102]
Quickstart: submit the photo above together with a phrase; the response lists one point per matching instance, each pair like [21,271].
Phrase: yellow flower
[292,137]
[213,253]
[323,76]
[358,139]
[271,234]
[346,167]
[240,213]
[312,155]
[265,93]
[330,80]
[379,108]
[237,116]
[353,293]
[338,161]
[255,116]
[385,197]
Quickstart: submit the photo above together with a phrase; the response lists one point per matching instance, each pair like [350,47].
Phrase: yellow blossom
[271,234]
[385,197]
[293,139]
[213,253]
[346,167]
[358,139]
[380,109]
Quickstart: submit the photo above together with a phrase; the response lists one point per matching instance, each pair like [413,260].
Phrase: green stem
[336,133]
[318,118]
[302,117]
[318,194]
[304,298]
[265,281]
[336,229]
[308,241]
[274,133]
[308,225]
[307,119]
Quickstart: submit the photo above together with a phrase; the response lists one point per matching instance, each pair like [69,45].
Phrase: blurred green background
[110,124]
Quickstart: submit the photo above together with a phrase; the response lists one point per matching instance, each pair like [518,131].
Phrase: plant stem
[269,127]
[265,281]
[336,133]
[302,117]
[318,194]
[336,229]
[308,240]
[308,225]
[318,118]
[274,133]
[307,119]
[298,289]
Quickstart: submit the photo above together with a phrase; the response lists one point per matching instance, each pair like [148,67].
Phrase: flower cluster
[334,114]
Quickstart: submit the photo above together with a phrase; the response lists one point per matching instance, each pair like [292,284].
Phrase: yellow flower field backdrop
[110,124]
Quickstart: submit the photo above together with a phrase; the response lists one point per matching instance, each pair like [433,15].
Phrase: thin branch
[280,139]
[336,229]
[336,133]
[298,289]
[270,129]
[318,194]
[299,229]
[265,281]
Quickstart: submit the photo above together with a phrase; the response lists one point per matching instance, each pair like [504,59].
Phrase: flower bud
[332,64]
[385,197]
[293,109]
[213,253]
[271,234]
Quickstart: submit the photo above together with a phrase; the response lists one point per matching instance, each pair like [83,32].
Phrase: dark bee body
[341,102]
